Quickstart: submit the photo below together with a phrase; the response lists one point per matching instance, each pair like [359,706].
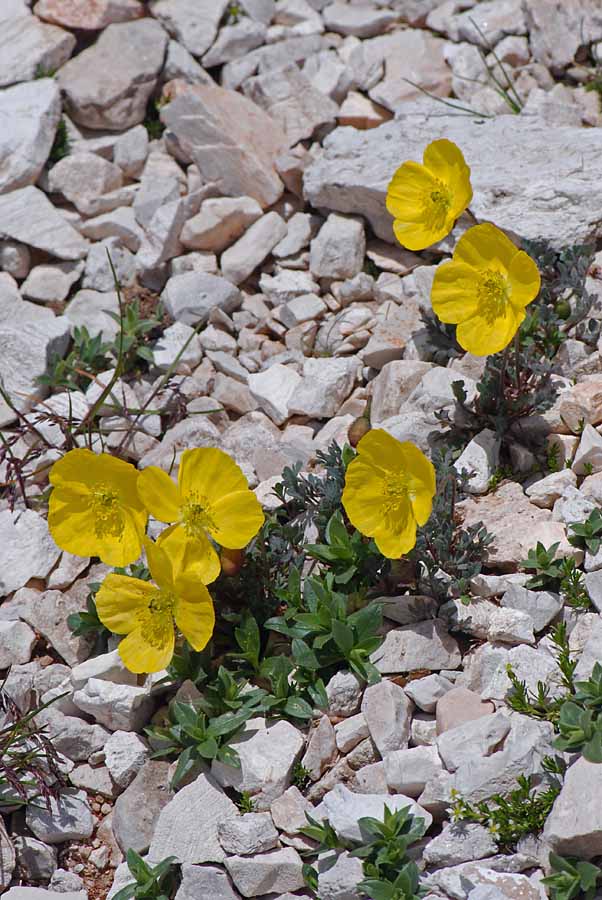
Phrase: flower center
[196,515]
[395,490]
[492,292]
[157,619]
[436,204]
[108,515]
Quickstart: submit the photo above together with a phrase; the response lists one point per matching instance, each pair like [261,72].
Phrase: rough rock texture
[108,85]
[509,183]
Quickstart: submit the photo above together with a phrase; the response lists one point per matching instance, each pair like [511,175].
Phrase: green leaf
[304,655]
[377,890]
[298,708]
[343,637]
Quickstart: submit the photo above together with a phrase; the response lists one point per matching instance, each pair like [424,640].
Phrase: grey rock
[480,458]
[125,754]
[363,21]
[352,174]
[26,215]
[321,749]
[81,177]
[464,880]
[131,151]
[99,275]
[243,257]
[541,606]
[344,694]
[179,63]
[408,771]
[17,641]
[94,780]
[220,222]
[15,259]
[191,297]
[28,46]
[48,615]
[547,490]
[69,818]
[137,810]
[235,41]
[484,619]
[187,827]
[49,283]
[343,809]
[554,40]
[193,23]
[133,54]
[205,881]
[574,826]
[91,308]
[289,811]
[30,113]
[63,882]
[339,876]
[388,713]
[248,834]
[425,692]
[73,737]
[39,893]
[424,645]
[274,872]
[120,707]
[325,385]
[350,732]
[273,389]
[212,127]
[8,858]
[459,842]
[27,549]
[290,98]
[339,248]
[267,757]
[37,859]
[593,585]
[479,737]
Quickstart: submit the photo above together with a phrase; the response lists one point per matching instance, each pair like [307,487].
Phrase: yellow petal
[397,534]
[210,473]
[140,656]
[525,280]
[194,612]
[419,470]
[418,235]
[381,450]
[124,549]
[159,494]
[482,337]
[405,194]
[75,465]
[454,293]
[446,161]
[71,522]
[236,519]
[363,497]
[197,556]
[121,601]
[159,564]
[485,246]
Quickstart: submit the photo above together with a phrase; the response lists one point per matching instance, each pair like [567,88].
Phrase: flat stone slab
[531,180]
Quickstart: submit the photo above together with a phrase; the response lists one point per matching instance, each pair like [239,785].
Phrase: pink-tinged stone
[89,15]
[458,706]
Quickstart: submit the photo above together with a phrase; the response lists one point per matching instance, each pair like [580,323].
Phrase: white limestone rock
[133,54]
[29,116]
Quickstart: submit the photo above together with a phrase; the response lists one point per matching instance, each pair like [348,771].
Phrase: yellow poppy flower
[389,489]
[94,508]
[484,289]
[212,497]
[147,612]
[426,199]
